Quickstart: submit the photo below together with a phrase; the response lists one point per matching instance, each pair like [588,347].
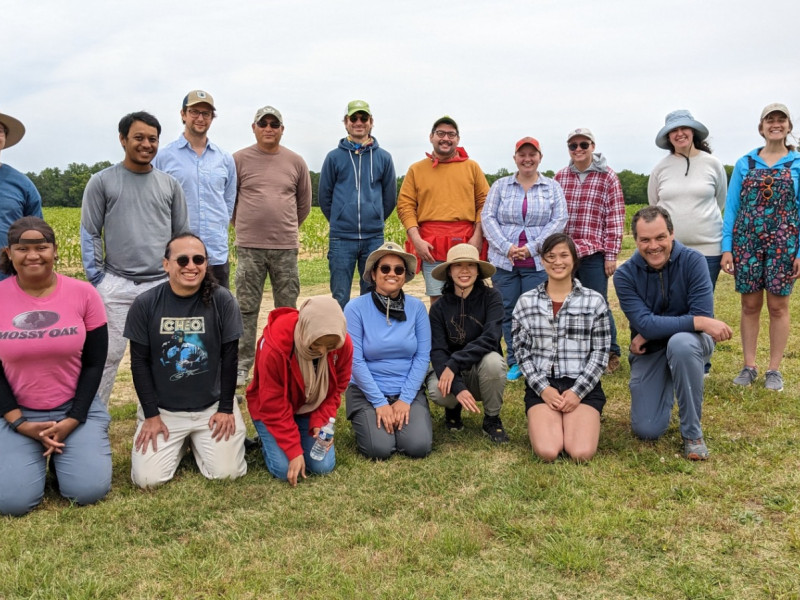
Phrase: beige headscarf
[318,316]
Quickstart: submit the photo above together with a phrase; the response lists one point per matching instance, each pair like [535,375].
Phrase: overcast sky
[501,69]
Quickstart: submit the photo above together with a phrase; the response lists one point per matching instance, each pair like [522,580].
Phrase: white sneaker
[241,378]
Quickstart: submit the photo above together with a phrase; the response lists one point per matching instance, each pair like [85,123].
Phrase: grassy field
[470,521]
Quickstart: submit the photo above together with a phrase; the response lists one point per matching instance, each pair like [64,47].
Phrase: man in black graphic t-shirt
[184,347]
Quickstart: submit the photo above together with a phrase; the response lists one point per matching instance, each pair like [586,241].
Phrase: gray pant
[251,273]
[83,469]
[414,440]
[658,378]
[486,381]
[118,294]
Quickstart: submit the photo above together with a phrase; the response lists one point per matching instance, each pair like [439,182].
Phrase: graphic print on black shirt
[183,354]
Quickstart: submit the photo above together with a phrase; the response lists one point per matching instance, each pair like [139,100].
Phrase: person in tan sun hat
[466,328]
[391,335]
[18,196]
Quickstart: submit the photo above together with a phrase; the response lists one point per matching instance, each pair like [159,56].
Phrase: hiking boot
[773,381]
[241,377]
[452,419]
[747,376]
[613,363]
[493,427]
[513,373]
[695,449]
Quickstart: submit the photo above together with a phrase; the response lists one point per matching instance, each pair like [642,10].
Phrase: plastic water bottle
[324,440]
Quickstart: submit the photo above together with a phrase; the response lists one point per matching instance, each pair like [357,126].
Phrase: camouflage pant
[251,273]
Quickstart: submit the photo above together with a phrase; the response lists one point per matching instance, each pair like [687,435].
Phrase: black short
[596,398]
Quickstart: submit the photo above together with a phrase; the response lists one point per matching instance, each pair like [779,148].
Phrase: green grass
[469,521]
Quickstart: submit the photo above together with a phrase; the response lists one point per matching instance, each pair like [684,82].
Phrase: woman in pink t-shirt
[53,342]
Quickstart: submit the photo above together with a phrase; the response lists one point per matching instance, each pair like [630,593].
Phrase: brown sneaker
[613,364]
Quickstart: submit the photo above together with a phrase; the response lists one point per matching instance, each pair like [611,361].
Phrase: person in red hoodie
[302,367]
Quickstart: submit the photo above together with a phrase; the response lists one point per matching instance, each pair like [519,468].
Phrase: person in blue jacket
[18,196]
[665,291]
[357,193]
[760,245]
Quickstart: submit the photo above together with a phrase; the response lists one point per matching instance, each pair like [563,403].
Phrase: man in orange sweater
[440,202]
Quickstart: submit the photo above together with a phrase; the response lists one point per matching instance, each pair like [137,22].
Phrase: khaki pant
[216,459]
[486,381]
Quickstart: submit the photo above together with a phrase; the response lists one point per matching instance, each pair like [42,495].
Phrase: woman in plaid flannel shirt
[561,335]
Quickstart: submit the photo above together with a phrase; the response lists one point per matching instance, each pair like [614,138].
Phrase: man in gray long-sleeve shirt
[130,212]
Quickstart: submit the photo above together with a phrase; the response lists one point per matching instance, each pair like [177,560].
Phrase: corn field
[313,236]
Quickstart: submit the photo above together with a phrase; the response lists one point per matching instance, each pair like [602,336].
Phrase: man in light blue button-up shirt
[207,175]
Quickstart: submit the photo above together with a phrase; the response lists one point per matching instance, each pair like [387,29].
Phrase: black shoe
[253,443]
[493,427]
[452,419]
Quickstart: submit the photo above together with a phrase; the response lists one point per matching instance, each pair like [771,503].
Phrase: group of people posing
[155,250]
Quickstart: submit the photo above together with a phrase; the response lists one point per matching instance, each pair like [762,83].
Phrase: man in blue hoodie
[357,193]
[665,292]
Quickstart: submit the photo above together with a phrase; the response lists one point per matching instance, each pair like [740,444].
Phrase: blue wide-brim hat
[680,118]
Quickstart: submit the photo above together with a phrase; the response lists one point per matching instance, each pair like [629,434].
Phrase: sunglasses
[356,118]
[263,123]
[398,269]
[183,260]
[766,187]
[574,146]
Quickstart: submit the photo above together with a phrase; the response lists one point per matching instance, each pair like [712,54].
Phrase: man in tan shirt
[273,198]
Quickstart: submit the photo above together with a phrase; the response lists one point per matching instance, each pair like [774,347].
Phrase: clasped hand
[565,403]
[518,253]
[50,434]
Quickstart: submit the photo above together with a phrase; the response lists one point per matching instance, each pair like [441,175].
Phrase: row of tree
[65,188]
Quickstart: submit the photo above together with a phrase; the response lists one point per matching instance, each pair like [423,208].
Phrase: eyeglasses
[359,117]
[766,187]
[264,123]
[583,145]
[450,135]
[398,269]
[183,260]
[206,114]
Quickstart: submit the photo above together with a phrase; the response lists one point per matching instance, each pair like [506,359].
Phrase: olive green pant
[251,273]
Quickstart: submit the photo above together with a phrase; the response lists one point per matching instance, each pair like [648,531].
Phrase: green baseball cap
[358,106]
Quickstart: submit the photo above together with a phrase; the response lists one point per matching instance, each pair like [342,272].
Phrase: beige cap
[198,97]
[268,110]
[775,107]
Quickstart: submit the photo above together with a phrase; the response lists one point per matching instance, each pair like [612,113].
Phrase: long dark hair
[209,283]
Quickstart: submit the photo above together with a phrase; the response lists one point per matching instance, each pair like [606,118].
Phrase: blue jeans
[714,266]
[343,256]
[83,469]
[276,460]
[592,275]
[658,378]
[511,285]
